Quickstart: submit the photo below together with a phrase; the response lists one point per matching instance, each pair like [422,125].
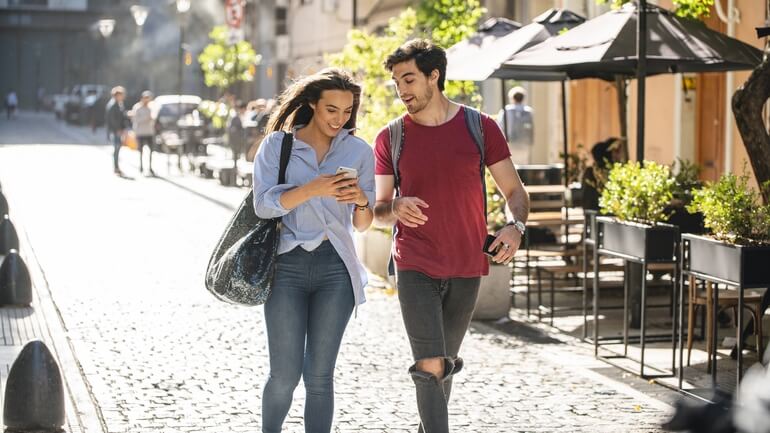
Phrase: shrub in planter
[638,195]
[738,250]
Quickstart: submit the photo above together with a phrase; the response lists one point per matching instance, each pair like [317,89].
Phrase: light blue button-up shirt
[320,217]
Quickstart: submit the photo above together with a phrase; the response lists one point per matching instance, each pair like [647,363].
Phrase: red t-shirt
[440,165]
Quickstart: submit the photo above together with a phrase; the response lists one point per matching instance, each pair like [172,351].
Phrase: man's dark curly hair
[427,55]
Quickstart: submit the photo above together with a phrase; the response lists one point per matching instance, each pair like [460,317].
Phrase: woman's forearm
[362,219]
[295,197]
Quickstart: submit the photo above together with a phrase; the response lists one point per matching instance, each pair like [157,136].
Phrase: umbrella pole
[505,113]
[564,131]
[620,86]
[641,73]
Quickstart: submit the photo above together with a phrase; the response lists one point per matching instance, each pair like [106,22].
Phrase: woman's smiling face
[332,111]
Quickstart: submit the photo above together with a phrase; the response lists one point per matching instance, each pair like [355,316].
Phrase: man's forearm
[383,213]
[518,205]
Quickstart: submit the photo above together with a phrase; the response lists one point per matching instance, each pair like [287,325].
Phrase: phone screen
[487,242]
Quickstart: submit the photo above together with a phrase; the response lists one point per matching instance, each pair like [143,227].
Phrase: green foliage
[217,111]
[446,22]
[636,192]
[732,210]
[225,65]
[687,179]
[695,9]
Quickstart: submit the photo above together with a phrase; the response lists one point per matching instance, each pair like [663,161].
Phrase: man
[11,102]
[144,128]
[439,219]
[520,127]
[115,115]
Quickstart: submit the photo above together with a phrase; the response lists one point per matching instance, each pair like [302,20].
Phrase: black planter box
[741,265]
[651,243]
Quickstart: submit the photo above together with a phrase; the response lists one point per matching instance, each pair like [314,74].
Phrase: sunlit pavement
[124,259]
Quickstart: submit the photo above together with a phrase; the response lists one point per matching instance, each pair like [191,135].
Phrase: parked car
[85,105]
[180,131]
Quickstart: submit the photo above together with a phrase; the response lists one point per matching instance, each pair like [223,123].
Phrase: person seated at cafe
[604,153]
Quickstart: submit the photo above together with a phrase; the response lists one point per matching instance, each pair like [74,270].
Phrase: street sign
[234,10]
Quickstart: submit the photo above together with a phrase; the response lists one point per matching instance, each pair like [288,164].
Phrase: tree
[224,65]
[695,9]
[445,22]
[747,104]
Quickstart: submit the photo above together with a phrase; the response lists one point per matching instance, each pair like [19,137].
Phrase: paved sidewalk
[124,260]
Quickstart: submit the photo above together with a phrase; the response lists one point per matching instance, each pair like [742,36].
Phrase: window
[281,22]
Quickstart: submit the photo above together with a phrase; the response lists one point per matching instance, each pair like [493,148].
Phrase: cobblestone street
[125,258]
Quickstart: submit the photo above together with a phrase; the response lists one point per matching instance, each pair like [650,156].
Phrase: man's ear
[434,75]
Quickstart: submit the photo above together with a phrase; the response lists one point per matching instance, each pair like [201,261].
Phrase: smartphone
[487,243]
[350,173]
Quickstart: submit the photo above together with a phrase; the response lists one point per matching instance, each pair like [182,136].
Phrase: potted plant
[637,195]
[494,301]
[738,248]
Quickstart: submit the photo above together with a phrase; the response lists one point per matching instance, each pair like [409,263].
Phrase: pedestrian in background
[318,279]
[117,121]
[431,189]
[11,102]
[519,126]
[236,133]
[144,127]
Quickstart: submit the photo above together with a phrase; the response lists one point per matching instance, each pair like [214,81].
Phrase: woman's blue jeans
[306,316]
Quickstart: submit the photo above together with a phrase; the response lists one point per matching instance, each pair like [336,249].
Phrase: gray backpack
[396,135]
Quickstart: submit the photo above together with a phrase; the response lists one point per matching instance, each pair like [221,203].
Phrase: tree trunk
[748,102]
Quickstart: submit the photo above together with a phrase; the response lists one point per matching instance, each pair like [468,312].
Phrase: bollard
[9,240]
[3,205]
[34,393]
[15,283]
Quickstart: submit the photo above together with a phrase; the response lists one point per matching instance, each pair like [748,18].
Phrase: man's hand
[508,241]
[408,211]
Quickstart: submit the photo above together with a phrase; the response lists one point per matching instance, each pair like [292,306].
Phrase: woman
[318,279]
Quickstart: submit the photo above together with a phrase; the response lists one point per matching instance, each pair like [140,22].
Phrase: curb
[84,412]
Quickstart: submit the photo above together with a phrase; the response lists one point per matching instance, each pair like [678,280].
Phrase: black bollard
[34,394]
[3,205]
[15,283]
[9,240]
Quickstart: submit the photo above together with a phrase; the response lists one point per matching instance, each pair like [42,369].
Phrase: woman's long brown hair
[294,103]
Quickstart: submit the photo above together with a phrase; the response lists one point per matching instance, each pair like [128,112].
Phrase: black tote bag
[242,266]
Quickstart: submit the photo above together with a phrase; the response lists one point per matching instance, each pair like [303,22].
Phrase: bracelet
[362,208]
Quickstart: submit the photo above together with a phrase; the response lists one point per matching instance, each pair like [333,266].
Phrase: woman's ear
[312,106]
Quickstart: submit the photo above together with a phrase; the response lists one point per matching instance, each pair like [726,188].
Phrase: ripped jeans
[436,313]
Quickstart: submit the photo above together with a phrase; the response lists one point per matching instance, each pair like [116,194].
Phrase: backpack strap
[286,144]
[475,128]
[396,137]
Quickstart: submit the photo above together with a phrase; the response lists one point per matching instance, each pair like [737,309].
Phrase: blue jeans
[115,140]
[306,316]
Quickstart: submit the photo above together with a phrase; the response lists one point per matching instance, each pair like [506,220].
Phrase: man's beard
[425,100]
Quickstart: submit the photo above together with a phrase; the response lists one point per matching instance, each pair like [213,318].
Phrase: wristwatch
[520,226]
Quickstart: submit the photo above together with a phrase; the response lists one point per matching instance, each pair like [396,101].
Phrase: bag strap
[286,144]
[473,122]
[396,136]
